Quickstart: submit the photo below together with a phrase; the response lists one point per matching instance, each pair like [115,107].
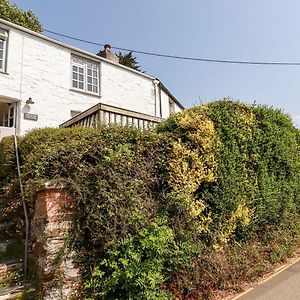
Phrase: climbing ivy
[208,199]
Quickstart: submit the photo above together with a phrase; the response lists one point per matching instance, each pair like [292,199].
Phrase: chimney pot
[108,54]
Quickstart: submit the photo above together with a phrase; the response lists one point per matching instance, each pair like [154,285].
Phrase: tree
[129,60]
[14,14]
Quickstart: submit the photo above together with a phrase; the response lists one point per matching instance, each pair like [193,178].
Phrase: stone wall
[57,276]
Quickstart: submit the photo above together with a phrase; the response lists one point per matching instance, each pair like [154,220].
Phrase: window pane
[75,113]
[85,75]
[11,122]
[2,49]
[81,61]
[6,119]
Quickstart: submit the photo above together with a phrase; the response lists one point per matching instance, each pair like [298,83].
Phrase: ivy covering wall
[209,199]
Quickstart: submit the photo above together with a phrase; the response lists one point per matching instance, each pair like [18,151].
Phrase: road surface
[283,286]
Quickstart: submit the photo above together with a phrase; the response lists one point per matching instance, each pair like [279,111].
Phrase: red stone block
[53,217]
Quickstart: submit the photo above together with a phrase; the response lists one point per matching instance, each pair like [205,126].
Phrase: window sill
[85,93]
[3,72]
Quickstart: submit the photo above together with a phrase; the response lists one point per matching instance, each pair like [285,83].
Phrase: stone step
[15,292]
[10,265]
[10,292]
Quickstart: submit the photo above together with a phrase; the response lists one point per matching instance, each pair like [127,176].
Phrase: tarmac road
[283,286]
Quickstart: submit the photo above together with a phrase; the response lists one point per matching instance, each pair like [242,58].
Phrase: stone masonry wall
[57,275]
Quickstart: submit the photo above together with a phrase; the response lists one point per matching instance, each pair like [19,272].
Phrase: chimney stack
[107,46]
[108,54]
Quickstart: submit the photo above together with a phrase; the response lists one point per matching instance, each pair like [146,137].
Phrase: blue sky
[261,30]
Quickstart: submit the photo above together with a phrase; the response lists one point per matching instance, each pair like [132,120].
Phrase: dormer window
[3,41]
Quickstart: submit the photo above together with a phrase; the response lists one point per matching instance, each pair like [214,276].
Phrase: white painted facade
[40,68]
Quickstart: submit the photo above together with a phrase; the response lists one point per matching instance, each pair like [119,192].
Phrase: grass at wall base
[206,201]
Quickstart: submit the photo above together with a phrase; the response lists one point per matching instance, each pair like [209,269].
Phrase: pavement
[284,285]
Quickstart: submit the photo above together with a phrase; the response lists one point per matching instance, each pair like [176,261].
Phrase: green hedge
[208,199]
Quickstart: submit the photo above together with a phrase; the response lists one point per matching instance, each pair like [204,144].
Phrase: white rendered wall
[165,107]
[125,89]
[41,69]
[177,108]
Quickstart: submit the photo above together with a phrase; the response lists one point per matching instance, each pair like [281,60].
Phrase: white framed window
[85,75]
[3,41]
[9,116]
[75,113]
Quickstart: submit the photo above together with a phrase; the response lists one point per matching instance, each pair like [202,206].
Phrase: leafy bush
[207,200]
[137,265]
[12,13]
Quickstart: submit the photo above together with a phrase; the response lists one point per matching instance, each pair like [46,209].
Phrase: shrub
[211,197]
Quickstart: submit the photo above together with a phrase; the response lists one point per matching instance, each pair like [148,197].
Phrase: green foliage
[208,199]
[250,156]
[256,150]
[129,60]
[15,249]
[12,13]
[138,265]
[10,279]
[7,160]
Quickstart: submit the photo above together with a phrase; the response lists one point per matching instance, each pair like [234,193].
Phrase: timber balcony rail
[106,114]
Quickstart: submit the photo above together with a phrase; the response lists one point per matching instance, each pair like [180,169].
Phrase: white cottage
[44,83]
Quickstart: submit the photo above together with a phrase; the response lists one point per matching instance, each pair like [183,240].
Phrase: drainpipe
[18,114]
[155,82]
[25,266]
[160,106]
